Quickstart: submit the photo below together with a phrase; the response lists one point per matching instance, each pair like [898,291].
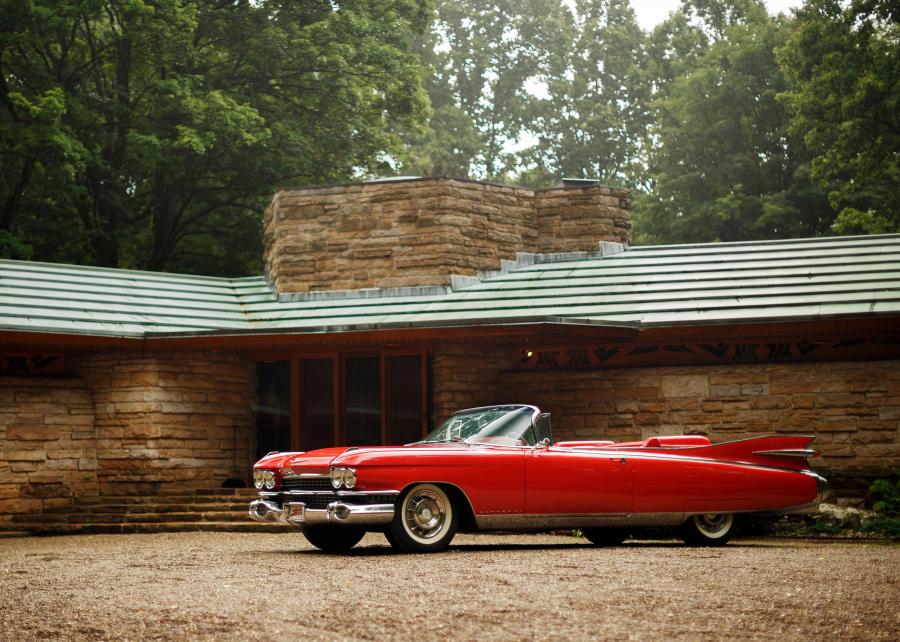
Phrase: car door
[571,481]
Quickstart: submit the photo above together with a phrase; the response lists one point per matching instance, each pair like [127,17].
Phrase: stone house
[388,305]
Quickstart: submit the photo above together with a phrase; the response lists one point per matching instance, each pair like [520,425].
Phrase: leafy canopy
[149,133]
[843,69]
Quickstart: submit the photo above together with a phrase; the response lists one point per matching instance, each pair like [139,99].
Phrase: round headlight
[349,477]
[269,479]
[257,479]
[337,477]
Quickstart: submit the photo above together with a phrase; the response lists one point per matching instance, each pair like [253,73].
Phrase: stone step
[126,518]
[165,499]
[178,492]
[161,527]
[205,509]
[117,507]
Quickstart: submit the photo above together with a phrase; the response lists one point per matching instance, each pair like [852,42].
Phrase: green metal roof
[642,287]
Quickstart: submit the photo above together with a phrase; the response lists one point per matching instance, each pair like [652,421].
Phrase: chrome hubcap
[425,514]
[713,525]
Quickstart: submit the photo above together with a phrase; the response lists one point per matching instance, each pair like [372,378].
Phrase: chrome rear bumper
[336,513]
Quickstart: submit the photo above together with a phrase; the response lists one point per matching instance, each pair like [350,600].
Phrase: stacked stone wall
[852,408]
[47,445]
[420,232]
[170,420]
[575,220]
[466,376]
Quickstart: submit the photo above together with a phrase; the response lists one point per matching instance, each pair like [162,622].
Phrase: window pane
[316,403]
[273,407]
[362,399]
[404,398]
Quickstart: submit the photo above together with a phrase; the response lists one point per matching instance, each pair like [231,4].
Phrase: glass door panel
[405,413]
[273,407]
[362,401]
[316,403]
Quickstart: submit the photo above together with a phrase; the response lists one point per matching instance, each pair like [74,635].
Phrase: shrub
[887,495]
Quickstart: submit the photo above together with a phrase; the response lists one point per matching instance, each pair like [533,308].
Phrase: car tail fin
[777,451]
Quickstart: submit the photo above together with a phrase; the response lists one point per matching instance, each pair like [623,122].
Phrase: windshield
[504,425]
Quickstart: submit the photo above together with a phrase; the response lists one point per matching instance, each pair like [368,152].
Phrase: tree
[484,58]
[842,64]
[593,122]
[148,133]
[724,165]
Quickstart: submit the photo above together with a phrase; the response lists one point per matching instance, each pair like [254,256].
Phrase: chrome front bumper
[336,513]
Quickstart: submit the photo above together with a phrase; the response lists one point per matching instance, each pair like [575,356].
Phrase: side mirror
[542,428]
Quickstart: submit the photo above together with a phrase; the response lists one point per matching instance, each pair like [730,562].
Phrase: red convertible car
[496,468]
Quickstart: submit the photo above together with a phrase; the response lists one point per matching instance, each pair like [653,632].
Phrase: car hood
[319,461]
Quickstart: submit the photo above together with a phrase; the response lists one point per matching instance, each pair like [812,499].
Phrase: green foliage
[724,165]
[530,90]
[482,57]
[728,122]
[150,135]
[819,529]
[887,495]
[593,122]
[842,64]
[887,527]
[13,248]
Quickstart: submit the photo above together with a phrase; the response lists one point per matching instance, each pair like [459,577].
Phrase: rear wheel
[605,536]
[708,530]
[425,521]
[333,539]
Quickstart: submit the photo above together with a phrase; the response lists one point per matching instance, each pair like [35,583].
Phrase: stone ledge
[457,281]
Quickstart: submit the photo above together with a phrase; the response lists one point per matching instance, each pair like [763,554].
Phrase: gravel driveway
[236,586]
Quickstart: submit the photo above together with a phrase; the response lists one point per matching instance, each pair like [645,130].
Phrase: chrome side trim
[638,454]
[797,452]
[579,520]
[353,493]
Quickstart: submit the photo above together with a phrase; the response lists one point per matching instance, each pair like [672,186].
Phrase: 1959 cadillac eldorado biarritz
[497,468]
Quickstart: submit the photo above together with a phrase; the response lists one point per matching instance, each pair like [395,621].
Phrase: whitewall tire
[708,530]
[425,520]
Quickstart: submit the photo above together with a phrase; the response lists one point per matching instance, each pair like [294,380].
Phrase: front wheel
[708,530]
[425,521]
[333,539]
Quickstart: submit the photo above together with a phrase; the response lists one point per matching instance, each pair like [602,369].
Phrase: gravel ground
[248,586]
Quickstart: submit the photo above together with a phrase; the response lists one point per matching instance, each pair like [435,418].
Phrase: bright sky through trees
[649,13]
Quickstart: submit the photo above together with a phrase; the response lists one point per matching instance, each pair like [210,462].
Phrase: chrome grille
[322,499]
[306,483]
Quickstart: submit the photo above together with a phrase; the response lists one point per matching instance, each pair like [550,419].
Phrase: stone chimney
[420,232]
